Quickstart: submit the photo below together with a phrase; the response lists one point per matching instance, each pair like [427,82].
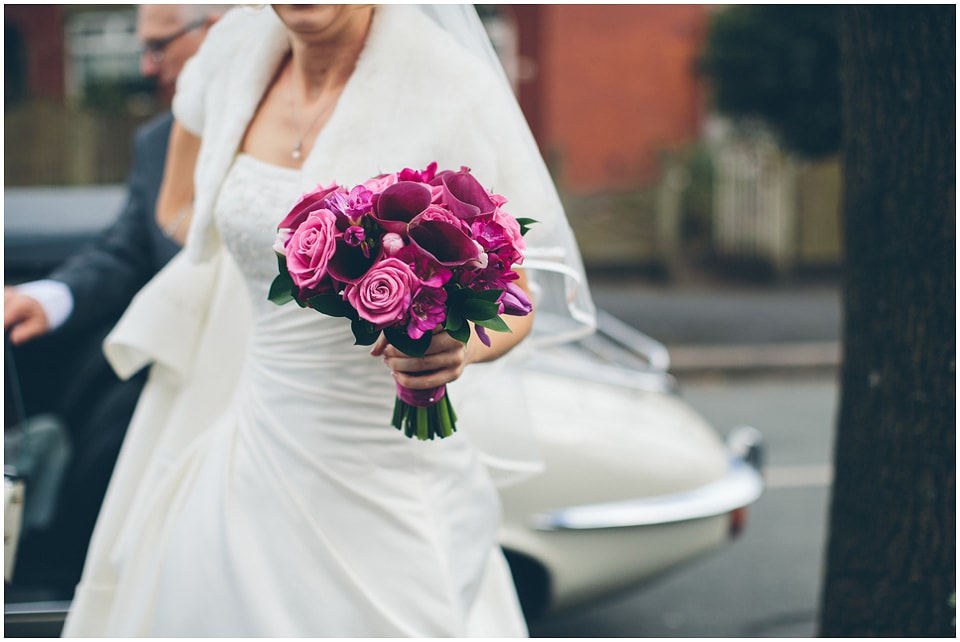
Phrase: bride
[261,490]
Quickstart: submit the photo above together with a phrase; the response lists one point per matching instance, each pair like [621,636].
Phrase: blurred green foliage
[781,64]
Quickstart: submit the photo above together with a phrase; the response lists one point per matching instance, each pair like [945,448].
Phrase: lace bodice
[302,355]
[255,197]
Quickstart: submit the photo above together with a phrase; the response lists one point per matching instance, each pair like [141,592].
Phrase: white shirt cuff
[54,297]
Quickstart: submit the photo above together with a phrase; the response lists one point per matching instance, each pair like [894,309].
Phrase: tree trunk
[891,556]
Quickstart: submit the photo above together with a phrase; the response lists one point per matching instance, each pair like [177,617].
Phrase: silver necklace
[298,147]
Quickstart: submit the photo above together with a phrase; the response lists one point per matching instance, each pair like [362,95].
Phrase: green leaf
[496,324]
[461,334]
[332,305]
[525,224]
[487,295]
[457,297]
[454,322]
[364,333]
[281,290]
[479,310]
[400,340]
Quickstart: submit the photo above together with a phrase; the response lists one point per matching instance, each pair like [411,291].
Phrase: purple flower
[482,334]
[423,176]
[500,234]
[354,236]
[427,311]
[495,276]
[359,202]
[515,301]
[488,233]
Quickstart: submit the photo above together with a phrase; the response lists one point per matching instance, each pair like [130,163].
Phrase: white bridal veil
[564,309]
[502,430]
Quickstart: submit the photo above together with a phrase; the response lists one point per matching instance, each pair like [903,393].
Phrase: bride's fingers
[453,358]
[380,345]
[426,380]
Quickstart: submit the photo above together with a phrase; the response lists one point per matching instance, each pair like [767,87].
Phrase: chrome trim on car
[34,611]
[616,354]
[646,347]
[567,364]
[741,486]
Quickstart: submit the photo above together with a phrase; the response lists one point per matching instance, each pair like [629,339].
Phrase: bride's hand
[443,362]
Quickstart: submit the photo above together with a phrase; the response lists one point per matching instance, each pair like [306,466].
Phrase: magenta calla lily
[350,263]
[445,242]
[398,204]
[465,196]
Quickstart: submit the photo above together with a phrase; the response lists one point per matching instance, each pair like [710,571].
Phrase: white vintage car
[635,481]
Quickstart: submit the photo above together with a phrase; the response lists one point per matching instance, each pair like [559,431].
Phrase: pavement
[733,325]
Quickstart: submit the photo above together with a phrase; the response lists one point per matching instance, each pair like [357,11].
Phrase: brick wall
[40,28]
[615,86]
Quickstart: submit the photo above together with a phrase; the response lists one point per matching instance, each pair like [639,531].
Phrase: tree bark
[891,554]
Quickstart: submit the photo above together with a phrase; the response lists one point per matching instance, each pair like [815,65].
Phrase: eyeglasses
[155,48]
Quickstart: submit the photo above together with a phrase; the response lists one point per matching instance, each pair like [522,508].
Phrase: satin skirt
[262,492]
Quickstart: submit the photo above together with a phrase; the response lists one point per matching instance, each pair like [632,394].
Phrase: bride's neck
[319,65]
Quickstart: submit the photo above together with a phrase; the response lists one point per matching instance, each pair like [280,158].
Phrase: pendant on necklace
[296,151]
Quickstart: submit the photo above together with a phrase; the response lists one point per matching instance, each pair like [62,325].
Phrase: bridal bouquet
[405,254]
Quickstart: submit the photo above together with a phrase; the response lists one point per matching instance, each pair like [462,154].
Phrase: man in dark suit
[58,324]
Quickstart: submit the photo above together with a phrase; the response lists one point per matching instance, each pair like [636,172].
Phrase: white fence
[755,201]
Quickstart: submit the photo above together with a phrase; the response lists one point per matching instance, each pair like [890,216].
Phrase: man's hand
[23,316]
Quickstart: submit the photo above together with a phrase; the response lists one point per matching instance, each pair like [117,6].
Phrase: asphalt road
[767,582]
[705,310]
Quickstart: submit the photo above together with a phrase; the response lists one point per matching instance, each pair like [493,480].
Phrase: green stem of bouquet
[426,423]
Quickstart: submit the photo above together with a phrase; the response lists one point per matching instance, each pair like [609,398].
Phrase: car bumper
[739,487]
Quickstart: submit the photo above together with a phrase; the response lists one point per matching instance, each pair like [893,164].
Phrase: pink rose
[511,228]
[380,183]
[383,295]
[310,248]
[307,203]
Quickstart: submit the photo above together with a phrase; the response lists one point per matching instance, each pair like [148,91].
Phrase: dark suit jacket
[65,371]
[105,276]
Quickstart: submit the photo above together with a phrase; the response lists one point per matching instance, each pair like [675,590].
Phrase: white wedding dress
[261,490]
[302,511]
